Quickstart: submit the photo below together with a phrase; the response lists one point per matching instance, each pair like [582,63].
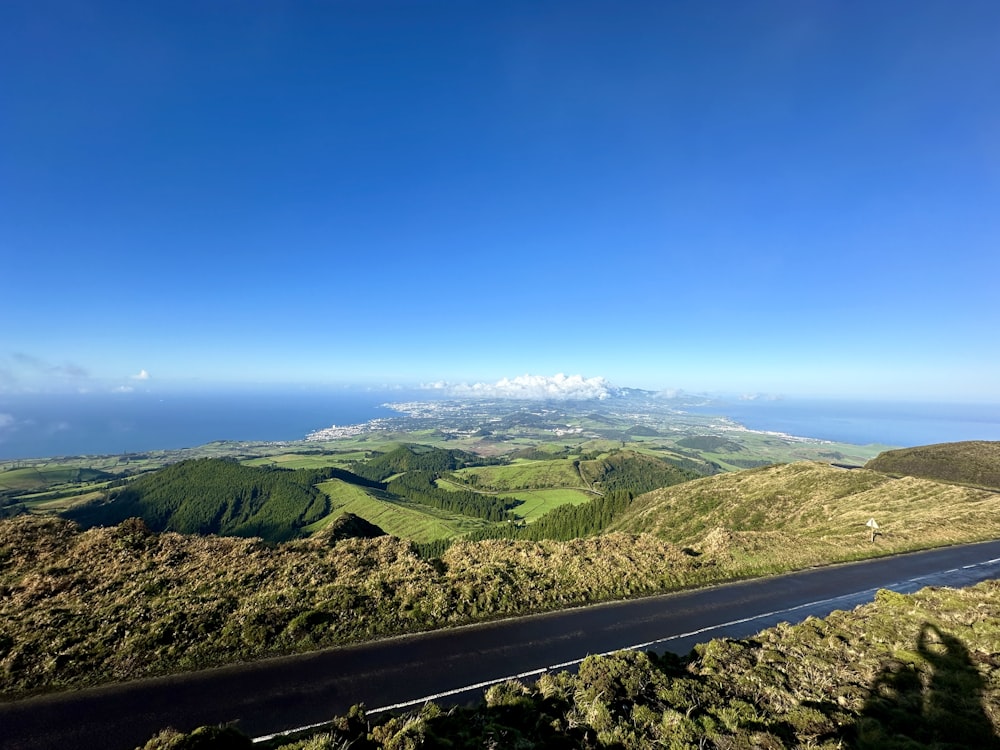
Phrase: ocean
[865,422]
[36,426]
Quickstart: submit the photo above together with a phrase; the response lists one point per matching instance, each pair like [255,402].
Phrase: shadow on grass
[934,701]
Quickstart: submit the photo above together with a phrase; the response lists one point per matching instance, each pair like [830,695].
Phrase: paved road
[280,694]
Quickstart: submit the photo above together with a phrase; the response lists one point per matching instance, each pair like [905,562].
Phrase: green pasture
[402,519]
[536,503]
[558,473]
[30,478]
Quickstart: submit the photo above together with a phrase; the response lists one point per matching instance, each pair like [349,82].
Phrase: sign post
[873,525]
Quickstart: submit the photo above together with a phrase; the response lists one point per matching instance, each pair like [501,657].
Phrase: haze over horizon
[781,198]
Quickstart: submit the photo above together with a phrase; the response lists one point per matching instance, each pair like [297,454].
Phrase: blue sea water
[33,426]
[865,422]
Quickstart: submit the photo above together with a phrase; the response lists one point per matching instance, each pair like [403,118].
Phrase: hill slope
[974,462]
[804,512]
[215,496]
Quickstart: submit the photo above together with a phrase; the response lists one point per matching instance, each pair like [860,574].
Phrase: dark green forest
[419,486]
[417,458]
[219,496]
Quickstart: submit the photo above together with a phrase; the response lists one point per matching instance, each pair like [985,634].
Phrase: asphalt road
[281,694]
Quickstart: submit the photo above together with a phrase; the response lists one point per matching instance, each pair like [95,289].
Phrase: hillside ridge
[972,462]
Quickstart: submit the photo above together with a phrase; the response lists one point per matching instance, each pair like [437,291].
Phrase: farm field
[536,503]
[412,521]
[523,474]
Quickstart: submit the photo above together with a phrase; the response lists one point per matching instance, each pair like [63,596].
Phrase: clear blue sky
[778,197]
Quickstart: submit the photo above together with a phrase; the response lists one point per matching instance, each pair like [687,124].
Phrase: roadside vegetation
[110,604]
[918,671]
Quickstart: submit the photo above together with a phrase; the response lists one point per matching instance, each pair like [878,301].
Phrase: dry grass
[801,514]
[973,462]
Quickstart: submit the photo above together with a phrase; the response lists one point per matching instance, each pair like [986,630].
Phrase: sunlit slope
[810,510]
[975,462]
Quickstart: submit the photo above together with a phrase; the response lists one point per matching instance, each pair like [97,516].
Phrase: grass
[536,503]
[47,504]
[794,515]
[974,462]
[558,473]
[412,521]
[43,477]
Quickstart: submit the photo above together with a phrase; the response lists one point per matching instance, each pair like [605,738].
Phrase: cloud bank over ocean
[534,387]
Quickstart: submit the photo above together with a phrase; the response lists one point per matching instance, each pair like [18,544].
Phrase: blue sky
[777,197]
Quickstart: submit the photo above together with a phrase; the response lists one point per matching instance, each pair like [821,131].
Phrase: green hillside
[415,458]
[975,462]
[213,496]
[803,513]
[633,472]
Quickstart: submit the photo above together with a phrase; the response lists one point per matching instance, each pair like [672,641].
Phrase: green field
[40,477]
[521,474]
[411,521]
[536,503]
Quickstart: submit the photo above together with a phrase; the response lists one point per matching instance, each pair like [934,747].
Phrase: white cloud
[27,373]
[6,420]
[123,389]
[671,393]
[535,387]
[143,375]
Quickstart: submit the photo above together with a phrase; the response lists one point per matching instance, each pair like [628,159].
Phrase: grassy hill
[405,458]
[974,462]
[215,496]
[806,513]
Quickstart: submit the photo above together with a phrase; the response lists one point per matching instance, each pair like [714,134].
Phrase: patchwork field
[418,523]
